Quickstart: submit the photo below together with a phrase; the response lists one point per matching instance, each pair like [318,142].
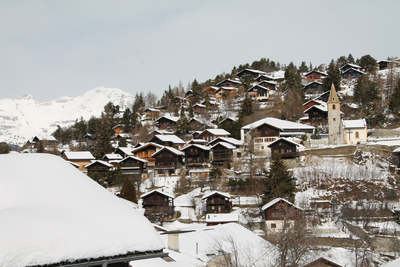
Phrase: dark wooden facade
[249,73]
[352,74]
[315,75]
[99,167]
[199,108]
[166,123]
[197,125]
[313,88]
[229,83]
[281,210]
[159,139]
[268,84]
[146,151]
[218,203]
[266,131]
[196,155]
[158,206]
[132,165]
[283,148]
[167,161]
[317,116]
[222,156]
[258,92]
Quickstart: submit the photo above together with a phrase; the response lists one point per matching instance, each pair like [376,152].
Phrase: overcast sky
[60,48]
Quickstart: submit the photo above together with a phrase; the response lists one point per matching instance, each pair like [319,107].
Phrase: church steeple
[334,123]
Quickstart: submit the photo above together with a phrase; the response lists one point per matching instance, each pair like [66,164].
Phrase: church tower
[334,122]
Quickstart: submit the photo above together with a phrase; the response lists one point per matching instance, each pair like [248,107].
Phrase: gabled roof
[320,102]
[354,124]
[226,89]
[146,145]
[75,155]
[258,86]
[221,132]
[118,125]
[152,109]
[355,70]
[259,72]
[198,141]
[354,66]
[199,105]
[224,144]
[102,162]
[316,71]
[158,191]
[279,124]
[229,80]
[207,148]
[216,192]
[227,119]
[168,138]
[170,149]
[132,157]
[229,140]
[32,233]
[308,84]
[212,87]
[323,107]
[113,156]
[284,140]
[125,150]
[171,118]
[275,201]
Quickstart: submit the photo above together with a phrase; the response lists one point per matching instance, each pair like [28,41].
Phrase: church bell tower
[334,122]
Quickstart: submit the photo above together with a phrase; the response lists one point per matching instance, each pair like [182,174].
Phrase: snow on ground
[57,213]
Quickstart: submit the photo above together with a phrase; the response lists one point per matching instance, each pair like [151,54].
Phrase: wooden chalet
[313,88]
[197,125]
[210,90]
[111,158]
[99,166]
[311,103]
[324,96]
[259,92]
[352,73]
[317,115]
[168,161]
[217,202]
[385,64]
[223,92]
[211,134]
[322,262]
[199,108]
[229,83]
[349,66]
[267,130]
[271,85]
[118,129]
[133,165]
[151,114]
[123,151]
[284,148]
[279,214]
[82,158]
[315,75]
[222,154]
[250,73]
[196,156]
[181,100]
[168,140]
[188,94]
[145,152]
[159,206]
[167,122]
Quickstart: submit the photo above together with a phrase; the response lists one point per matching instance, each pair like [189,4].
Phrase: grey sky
[66,48]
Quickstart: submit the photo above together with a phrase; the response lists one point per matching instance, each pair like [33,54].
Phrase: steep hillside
[23,118]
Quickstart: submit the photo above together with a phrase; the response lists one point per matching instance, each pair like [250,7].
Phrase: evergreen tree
[183,124]
[332,77]
[122,142]
[368,63]
[394,101]
[365,92]
[191,112]
[340,62]
[350,59]
[127,120]
[114,176]
[303,67]
[97,178]
[278,182]
[128,190]
[246,107]
[196,93]
[4,148]
[39,147]
[103,145]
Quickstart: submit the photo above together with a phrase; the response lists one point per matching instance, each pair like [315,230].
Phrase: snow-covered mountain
[23,118]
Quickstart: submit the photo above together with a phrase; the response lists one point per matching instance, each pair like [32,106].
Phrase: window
[333,106]
[273,225]
[357,135]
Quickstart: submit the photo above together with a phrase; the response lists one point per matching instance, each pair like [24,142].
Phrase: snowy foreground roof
[280,124]
[51,212]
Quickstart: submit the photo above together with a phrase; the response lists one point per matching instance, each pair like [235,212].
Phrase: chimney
[173,242]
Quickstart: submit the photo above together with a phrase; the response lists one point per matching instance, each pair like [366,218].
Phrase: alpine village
[269,165]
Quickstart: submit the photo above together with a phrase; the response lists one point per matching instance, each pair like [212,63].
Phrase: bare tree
[144,133]
[150,99]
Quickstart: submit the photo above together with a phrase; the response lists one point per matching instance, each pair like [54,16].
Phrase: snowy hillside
[23,118]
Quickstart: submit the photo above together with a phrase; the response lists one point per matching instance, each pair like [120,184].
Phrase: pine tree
[128,190]
[394,101]
[278,182]
[122,142]
[183,125]
[246,107]
[333,77]
[303,67]
[350,59]
[4,148]
[97,178]
[39,147]
[103,144]
[368,63]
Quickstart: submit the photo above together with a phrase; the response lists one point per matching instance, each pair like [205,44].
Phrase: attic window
[333,106]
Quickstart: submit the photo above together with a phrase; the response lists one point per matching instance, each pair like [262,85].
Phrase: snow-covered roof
[229,80]
[222,217]
[144,145]
[280,139]
[356,70]
[225,144]
[277,123]
[216,132]
[198,141]
[196,145]
[216,192]
[159,191]
[199,105]
[152,109]
[351,65]
[79,155]
[259,86]
[353,124]
[171,118]
[101,162]
[230,140]
[170,149]
[112,156]
[169,138]
[61,215]
[316,71]
[253,71]
[323,107]
[125,150]
[135,158]
[45,137]
[276,200]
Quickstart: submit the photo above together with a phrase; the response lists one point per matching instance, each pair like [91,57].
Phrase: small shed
[284,147]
